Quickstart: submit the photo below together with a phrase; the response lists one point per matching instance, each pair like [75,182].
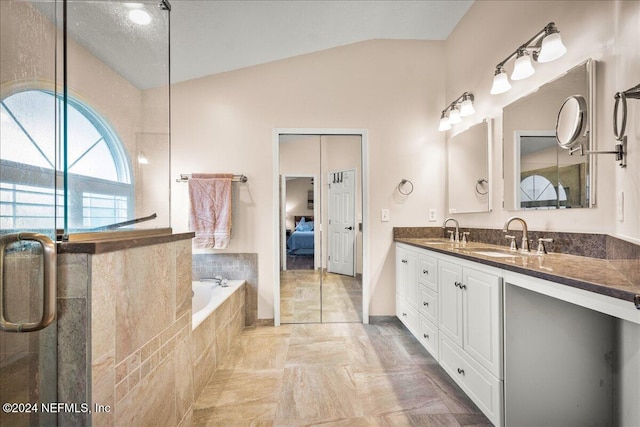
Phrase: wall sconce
[545,46]
[453,114]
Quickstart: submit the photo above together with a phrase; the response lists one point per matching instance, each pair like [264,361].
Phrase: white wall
[225,122]
[607,31]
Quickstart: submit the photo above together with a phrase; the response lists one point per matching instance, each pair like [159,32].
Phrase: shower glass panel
[29,141]
[116,162]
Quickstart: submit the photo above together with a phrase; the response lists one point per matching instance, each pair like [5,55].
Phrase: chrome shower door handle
[49,282]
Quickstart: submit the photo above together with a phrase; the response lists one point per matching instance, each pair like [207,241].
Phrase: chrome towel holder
[403,185]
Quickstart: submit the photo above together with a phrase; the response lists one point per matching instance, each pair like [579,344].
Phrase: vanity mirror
[539,170]
[468,155]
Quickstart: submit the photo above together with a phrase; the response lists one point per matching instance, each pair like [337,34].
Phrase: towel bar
[184,177]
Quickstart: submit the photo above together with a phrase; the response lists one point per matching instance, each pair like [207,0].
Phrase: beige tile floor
[304,300]
[339,374]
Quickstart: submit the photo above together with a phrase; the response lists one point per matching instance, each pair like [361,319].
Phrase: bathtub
[207,296]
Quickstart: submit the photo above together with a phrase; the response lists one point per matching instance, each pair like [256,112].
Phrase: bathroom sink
[497,253]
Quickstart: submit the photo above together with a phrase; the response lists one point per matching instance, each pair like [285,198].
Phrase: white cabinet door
[450,300]
[428,304]
[429,337]
[406,274]
[482,318]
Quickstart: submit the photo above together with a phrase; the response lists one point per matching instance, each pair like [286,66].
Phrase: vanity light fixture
[453,114]
[545,46]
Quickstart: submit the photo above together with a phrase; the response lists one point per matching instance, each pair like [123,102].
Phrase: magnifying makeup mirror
[572,120]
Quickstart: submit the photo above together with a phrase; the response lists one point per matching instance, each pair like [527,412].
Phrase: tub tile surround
[213,338]
[233,267]
[595,262]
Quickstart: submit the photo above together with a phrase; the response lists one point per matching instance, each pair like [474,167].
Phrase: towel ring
[481,182]
[401,186]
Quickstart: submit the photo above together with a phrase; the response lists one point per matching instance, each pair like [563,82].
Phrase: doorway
[320,187]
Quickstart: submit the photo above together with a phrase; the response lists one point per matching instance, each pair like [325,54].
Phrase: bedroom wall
[607,31]
[390,88]
[297,199]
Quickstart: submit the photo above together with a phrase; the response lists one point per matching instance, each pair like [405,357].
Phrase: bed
[301,240]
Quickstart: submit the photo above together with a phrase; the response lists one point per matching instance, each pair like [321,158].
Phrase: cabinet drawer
[482,387]
[427,272]
[407,314]
[428,304]
[429,337]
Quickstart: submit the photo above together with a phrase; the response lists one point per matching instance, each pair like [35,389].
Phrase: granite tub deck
[596,275]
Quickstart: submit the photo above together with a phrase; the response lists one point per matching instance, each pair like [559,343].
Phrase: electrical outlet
[384,215]
[620,209]
[432,215]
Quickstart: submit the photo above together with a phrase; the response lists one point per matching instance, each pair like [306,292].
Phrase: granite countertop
[592,274]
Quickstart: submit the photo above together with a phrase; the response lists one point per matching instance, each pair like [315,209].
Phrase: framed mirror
[538,172]
[469,170]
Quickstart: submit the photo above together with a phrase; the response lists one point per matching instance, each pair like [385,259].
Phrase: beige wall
[394,89]
[606,31]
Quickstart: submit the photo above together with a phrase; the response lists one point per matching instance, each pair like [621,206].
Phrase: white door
[342,222]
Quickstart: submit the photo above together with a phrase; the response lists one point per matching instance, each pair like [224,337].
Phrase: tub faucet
[455,236]
[525,234]
[218,281]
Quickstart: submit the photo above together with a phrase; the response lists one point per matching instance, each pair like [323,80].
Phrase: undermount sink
[497,254]
[500,253]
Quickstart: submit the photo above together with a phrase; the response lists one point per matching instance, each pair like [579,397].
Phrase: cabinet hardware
[463,286]
[461,371]
[404,261]
[425,271]
[426,336]
[458,285]
[426,304]
[404,314]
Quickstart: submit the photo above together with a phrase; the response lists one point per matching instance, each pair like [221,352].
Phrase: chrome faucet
[455,236]
[218,281]
[525,234]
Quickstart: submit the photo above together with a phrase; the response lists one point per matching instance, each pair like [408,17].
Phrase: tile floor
[340,374]
[303,300]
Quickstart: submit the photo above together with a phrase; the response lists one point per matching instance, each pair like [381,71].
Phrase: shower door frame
[363,134]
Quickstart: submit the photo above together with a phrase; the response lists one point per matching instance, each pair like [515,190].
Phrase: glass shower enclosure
[84,154]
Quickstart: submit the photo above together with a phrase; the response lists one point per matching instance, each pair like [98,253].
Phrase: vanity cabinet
[459,320]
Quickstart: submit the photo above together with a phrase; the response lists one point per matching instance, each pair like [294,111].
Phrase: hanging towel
[210,216]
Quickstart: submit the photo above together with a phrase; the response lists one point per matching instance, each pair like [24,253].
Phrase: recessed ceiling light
[139,16]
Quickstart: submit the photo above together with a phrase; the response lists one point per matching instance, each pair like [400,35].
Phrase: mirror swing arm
[570,125]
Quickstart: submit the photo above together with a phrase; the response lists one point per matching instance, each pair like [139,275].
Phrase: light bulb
[552,48]
[444,123]
[523,67]
[500,82]
[454,116]
[139,16]
[466,108]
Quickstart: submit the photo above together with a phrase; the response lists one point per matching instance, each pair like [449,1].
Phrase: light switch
[384,215]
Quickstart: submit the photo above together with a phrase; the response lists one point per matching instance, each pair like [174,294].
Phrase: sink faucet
[456,234]
[525,235]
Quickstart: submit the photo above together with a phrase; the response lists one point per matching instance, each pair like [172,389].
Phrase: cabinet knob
[463,286]
[426,304]
[457,284]
[426,336]
[425,271]
[404,261]
[404,314]
[461,371]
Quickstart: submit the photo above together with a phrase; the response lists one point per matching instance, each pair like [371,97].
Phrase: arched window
[99,182]
[537,192]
